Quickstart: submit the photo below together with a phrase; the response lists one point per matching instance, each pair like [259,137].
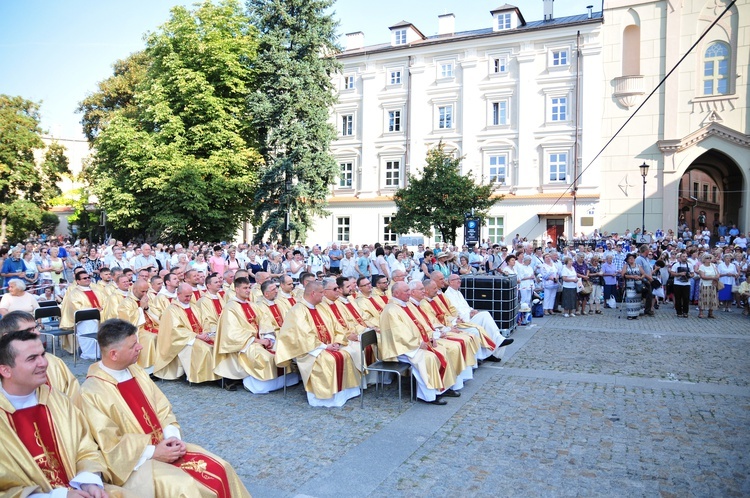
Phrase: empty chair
[51,329]
[83,316]
[370,338]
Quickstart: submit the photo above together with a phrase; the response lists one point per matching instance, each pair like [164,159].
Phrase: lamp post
[644,173]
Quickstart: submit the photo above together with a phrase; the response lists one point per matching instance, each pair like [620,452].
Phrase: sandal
[711,315]
[598,312]
[700,315]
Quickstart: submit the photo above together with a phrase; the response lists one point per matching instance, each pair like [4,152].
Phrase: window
[558,166]
[342,229]
[705,192]
[389,235]
[695,189]
[347,125]
[445,117]
[503,21]
[498,169]
[499,64]
[716,69]
[393,173]
[399,37]
[560,57]
[559,109]
[395,77]
[394,121]
[446,70]
[715,195]
[500,113]
[495,229]
[346,175]
[348,82]
[437,236]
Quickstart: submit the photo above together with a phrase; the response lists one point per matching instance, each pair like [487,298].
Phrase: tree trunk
[3,229]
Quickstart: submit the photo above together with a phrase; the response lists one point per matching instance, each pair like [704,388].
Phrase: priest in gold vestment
[182,345]
[310,335]
[133,423]
[135,309]
[47,445]
[81,297]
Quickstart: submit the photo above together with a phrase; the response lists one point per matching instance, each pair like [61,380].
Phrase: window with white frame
[394,121]
[346,175]
[503,21]
[347,125]
[498,168]
[399,37]
[342,228]
[495,229]
[716,69]
[499,113]
[445,69]
[557,164]
[393,173]
[394,77]
[349,82]
[389,236]
[437,236]
[445,117]
[559,57]
[558,109]
[499,64]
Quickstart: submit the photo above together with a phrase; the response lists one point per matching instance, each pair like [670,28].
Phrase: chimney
[446,24]
[591,10]
[355,41]
[548,9]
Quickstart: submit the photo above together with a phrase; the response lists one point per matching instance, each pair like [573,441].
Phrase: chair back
[368,338]
[87,314]
[47,304]
[47,312]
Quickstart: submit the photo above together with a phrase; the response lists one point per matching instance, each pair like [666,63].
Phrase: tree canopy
[289,112]
[440,198]
[174,154]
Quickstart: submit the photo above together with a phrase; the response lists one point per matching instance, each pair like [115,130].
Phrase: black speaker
[497,295]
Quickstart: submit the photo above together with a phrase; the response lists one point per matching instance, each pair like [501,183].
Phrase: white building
[506,96]
[693,133]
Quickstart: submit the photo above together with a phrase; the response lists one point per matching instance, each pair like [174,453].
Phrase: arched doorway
[710,193]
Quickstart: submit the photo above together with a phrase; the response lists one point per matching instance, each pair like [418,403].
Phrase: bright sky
[57,51]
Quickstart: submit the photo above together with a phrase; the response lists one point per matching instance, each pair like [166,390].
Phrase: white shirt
[458,300]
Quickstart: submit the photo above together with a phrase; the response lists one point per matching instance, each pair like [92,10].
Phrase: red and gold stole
[384,298]
[202,468]
[217,306]
[292,301]
[375,303]
[150,326]
[454,339]
[194,323]
[325,337]
[426,338]
[350,306]
[197,294]
[93,300]
[337,313]
[276,314]
[251,317]
[36,431]
[222,294]
[442,300]
[438,310]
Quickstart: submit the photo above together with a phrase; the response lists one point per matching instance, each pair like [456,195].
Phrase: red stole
[355,313]
[292,301]
[149,325]
[250,314]
[202,468]
[217,305]
[276,314]
[325,337]
[375,303]
[337,314]
[222,294]
[384,298]
[442,300]
[36,431]
[93,300]
[194,324]
[438,311]
[197,294]
[426,338]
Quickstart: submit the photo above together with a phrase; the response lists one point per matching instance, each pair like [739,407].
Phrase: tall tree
[290,107]
[440,197]
[176,159]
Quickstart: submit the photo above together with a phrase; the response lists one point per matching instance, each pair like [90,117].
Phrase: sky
[57,51]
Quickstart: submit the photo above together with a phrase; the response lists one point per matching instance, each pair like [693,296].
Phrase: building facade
[520,101]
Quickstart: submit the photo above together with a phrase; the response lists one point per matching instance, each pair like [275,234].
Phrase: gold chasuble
[60,378]
[130,310]
[77,299]
[128,416]
[45,446]
[305,330]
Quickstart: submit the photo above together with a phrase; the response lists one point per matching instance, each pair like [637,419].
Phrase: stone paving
[586,406]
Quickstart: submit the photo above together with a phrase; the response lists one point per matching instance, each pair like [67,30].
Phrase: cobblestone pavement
[586,406]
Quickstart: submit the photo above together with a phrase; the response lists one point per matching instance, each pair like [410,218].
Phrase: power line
[663,80]
[65,139]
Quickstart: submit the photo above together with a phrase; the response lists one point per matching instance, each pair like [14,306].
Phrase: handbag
[586,288]
[718,283]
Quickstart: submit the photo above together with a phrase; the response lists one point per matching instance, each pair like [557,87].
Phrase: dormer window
[507,17]
[503,21]
[399,37]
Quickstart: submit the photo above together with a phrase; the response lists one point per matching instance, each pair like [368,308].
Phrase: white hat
[525,308]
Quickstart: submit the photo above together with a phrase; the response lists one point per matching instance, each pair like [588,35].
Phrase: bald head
[140,288]
[400,291]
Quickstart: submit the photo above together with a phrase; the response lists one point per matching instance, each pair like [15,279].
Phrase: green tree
[440,198]
[176,158]
[290,107]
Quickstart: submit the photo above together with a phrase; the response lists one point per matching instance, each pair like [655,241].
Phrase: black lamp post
[644,173]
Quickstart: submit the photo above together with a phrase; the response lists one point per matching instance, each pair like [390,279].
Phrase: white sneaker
[566,315]
[572,314]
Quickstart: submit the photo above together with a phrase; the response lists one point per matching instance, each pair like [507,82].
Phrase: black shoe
[437,401]
[450,393]
[506,342]
[650,313]
[230,386]
[493,359]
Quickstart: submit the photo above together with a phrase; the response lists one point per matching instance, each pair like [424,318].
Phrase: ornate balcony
[628,89]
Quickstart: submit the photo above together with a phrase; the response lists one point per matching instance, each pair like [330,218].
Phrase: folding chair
[51,329]
[370,338]
[47,304]
[82,316]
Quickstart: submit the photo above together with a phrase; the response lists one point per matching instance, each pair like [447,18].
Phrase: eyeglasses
[84,278]
[35,328]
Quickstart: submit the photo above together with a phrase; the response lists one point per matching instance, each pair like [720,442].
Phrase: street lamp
[644,173]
